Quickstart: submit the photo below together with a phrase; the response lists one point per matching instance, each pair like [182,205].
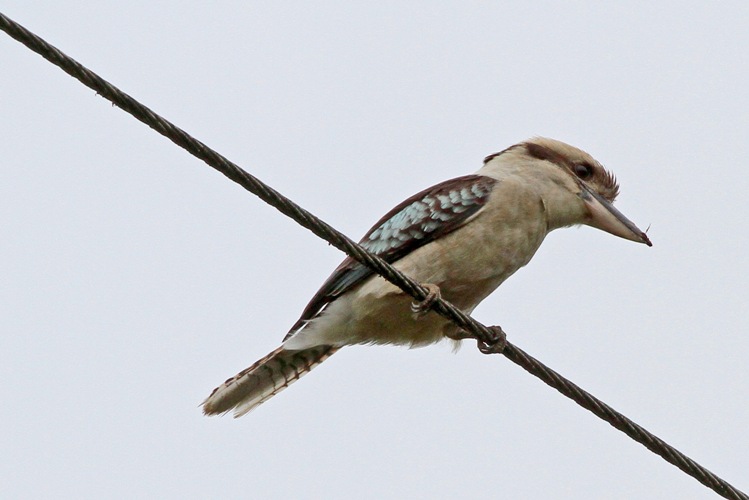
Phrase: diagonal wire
[485,336]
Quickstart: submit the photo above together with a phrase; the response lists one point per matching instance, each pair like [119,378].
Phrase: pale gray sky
[134,279]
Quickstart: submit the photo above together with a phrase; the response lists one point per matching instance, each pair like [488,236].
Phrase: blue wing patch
[418,220]
[425,215]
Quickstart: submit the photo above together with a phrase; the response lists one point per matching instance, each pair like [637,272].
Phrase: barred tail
[267,377]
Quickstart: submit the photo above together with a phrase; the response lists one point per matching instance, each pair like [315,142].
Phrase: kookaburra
[462,237]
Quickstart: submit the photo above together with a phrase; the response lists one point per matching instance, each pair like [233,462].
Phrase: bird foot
[419,309]
[496,343]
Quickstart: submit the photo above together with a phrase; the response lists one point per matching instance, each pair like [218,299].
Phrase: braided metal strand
[485,336]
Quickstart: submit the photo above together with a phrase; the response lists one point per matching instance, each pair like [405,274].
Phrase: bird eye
[583,171]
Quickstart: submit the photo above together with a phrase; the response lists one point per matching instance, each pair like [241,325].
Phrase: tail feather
[267,377]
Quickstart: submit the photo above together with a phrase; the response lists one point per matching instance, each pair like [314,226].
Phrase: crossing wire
[486,336]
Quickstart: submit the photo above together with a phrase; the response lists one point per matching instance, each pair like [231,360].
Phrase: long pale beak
[604,216]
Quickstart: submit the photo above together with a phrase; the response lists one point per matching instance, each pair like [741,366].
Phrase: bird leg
[459,334]
[419,309]
[496,344]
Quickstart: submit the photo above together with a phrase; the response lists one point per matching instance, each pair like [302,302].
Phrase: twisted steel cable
[488,338]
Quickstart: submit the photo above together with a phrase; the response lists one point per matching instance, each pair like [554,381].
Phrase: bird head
[573,186]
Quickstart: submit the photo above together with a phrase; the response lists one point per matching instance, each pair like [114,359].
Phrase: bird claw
[496,344]
[419,309]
